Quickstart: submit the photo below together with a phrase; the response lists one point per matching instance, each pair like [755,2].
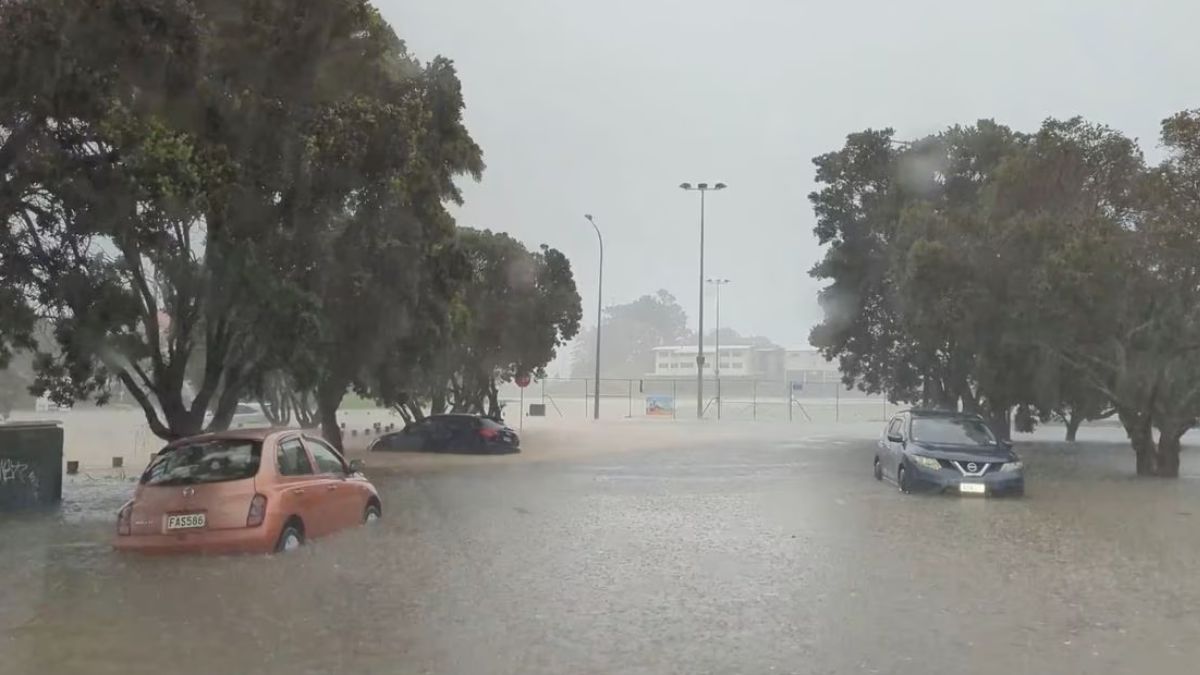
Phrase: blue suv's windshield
[952,431]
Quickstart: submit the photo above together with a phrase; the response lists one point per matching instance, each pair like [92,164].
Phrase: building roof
[692,348]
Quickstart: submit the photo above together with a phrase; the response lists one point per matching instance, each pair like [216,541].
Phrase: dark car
[947,452]
[451,433]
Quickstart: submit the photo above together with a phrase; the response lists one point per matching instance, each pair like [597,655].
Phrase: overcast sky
[605,107]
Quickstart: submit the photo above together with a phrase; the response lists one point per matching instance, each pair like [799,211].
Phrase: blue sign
[660,406]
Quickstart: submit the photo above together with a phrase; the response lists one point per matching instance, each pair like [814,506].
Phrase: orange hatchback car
[244,491]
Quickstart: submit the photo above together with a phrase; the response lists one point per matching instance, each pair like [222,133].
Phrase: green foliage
[987,269]
[199,194]
[521,306]
[511,312]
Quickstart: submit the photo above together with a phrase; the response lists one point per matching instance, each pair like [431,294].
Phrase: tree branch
[152,419]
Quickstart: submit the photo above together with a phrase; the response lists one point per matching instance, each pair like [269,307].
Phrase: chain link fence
[729,399]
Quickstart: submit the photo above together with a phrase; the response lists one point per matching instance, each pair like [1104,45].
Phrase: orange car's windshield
[208,462]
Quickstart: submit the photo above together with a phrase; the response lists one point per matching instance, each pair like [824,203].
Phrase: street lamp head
[589,217]
[702,186]
[720,186]
[686,186]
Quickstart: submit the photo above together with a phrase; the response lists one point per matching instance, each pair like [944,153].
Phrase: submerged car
[451,433]
[947,452]
[244,491]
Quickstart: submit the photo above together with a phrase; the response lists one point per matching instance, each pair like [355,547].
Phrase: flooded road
[755,556]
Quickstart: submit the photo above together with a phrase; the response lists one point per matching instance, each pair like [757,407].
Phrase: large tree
[515,310]
[187,173]
[630,332]
[1135,280]
[920,269]
[945,284]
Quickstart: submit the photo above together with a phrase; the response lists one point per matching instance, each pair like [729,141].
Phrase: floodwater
[758,552]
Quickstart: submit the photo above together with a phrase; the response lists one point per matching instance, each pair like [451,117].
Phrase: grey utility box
[31,455]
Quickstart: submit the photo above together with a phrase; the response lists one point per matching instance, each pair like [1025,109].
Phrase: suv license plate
[972,488]
[185,521]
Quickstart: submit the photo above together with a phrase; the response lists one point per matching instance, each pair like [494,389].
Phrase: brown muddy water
[776,552]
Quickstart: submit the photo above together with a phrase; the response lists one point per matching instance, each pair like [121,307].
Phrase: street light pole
[717,366]
[599,313]
[701,188]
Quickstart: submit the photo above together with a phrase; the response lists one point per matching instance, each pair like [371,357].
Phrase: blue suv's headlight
[926,462]
[1012,466]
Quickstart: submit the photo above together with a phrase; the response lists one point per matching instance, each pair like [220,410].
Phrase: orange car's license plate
[186,521]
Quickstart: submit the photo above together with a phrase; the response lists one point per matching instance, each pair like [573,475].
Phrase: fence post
[674,400]
[585,397]
[787,388]
[631,399]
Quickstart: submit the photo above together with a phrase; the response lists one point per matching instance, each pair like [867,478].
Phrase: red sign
[522,381]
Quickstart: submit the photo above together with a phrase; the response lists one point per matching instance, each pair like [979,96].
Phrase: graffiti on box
[18,474]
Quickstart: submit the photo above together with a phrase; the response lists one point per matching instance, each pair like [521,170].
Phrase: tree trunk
[276,406]
[493,397]
[329,397]
[1141,437]
[414,409]
[1168,453]
[404,414]
[302,407]
[1000,421]
[1073,421]
[437,403]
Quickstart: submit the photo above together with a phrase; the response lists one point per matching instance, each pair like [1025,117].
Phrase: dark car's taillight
[488,433]
[125,520]
[257,512]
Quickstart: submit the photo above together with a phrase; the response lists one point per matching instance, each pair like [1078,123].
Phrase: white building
[807,365]
[746,361]
[737,361]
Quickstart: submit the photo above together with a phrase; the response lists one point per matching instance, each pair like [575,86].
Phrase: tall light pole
[599,313]
[717,366]
[702,188]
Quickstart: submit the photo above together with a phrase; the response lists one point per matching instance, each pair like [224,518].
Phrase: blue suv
[933,451]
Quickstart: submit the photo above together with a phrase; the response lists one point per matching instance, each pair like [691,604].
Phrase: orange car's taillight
[125,519]
[258,511]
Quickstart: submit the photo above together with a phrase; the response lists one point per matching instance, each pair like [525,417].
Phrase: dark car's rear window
[205,462]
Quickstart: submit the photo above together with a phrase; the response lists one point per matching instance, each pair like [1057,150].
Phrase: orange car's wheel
[372,514]
[291,538]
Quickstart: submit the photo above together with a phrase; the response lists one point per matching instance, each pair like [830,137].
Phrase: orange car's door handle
[331,488]
[297,492]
